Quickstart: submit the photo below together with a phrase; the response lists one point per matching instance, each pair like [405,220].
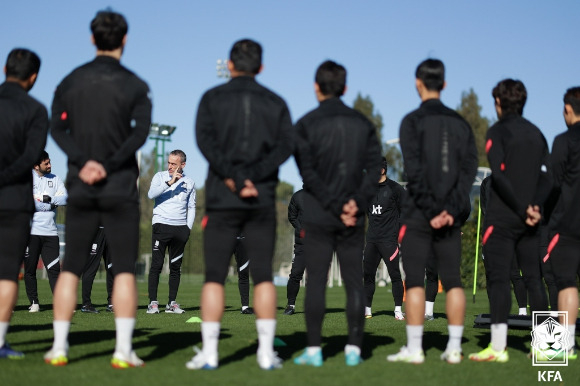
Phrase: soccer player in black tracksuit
[382,240]
[520,183]
[101,113]
[564,223]
[440,162]
[23,129]
[243,268]
[338,155]
[295,213]
[99,248]
[245,132]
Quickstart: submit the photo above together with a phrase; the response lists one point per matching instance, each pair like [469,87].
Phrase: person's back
[251,124]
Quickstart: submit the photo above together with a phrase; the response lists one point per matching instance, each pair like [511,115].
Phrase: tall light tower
[160,133]
[222,69]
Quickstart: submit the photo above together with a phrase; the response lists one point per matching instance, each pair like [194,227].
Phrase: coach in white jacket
[173,216]
[49,193]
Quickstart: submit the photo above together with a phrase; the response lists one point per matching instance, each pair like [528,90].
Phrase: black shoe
[289,310]
[89,308]
[247,311]
[109,308]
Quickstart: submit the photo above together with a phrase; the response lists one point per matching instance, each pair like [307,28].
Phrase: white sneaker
[452,356]
[399,315]
[406,356]
[269,360]
[173,308]
[201,362]
[34,307]
[122,361]
[153,308]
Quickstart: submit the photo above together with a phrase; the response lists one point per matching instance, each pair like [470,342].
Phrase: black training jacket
[339,158]
[102,111]
[440,160]
[23,131]
[520,174]
[565,160]
[384,212]
[295,212]
[245,132]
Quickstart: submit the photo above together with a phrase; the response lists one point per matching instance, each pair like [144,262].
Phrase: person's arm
[191,208]
[60,195]
[501,184]
[158,186]
[293,211]
[416,182]
[546,178]
[42,206]
[140,124]
[34,144]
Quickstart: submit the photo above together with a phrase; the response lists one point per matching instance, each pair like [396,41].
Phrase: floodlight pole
[160,133]
[222,69]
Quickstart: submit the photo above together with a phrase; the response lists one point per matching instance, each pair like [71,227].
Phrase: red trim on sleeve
[487,233]
[402,233]
[488,145]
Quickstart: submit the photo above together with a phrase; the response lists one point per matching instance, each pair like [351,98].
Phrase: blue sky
[174,46]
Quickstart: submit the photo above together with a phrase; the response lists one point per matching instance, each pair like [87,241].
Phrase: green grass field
[165,342]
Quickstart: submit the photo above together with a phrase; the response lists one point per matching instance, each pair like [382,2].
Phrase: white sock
[523,311]
[266,330]
[3,331]
[455,335]
[398,309]
[351,347]
[311,350]
[210,333]
[429,308]
[572,336]
[368,311]
[414,338]
[61,329]
[124,327]
[499,336]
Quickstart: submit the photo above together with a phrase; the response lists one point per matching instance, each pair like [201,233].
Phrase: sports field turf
[165,342]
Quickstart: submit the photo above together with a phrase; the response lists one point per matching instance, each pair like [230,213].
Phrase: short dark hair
[109,28]
[22,63]
[246,55]
[432,73]
[331,78]
[512,96]
[43,156]
[572,98]
[179,153]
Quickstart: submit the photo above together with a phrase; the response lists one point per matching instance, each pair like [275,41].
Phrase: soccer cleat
[399,315]
[452,356]
[290,310]
[429,318]
[173,308]
[247,311]
[352,358]
[34,307]
[109,308]
[200,362]
[56,357]
[311,360]
[122,361]
[153,307]
[490,355]
[89,308]
[406,356]
[368,316]
[269,361]
[7,352]
[572,354]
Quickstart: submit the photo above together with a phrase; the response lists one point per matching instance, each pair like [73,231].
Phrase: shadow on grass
[520,343]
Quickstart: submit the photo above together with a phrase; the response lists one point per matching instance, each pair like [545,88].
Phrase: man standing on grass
[440,163]
[173,215]
[101,115]
[520,184]
[564,224]
[49,193]
[245,132]
[295,213]
[23,130]
[339,158]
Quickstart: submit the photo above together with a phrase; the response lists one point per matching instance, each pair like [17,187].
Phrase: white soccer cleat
[404,355]
[122,361]
[34,307]
[452,356]
[269,361]
[201,362]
